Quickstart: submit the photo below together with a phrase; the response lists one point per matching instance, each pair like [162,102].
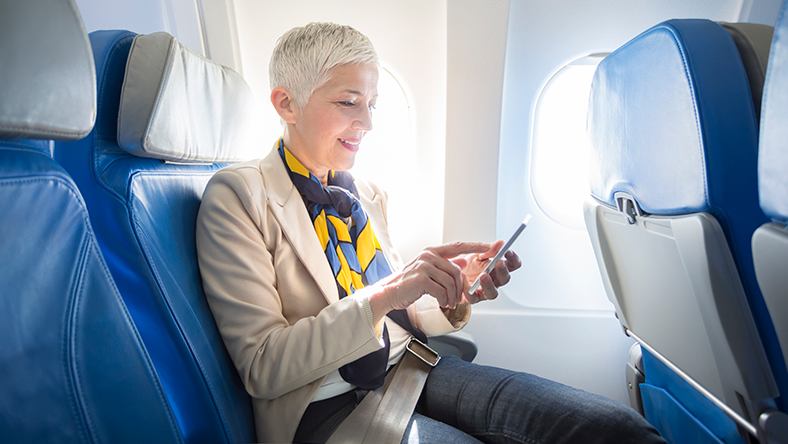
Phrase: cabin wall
[181,18]
[476,50]
[207,27]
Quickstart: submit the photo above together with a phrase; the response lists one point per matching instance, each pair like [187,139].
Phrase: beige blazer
[274,296]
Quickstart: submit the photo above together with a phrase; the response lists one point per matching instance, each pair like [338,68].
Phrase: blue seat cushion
[73,366]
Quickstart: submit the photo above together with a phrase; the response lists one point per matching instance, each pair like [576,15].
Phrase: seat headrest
[657,105]
[47,76]
[178,106]
[773,150]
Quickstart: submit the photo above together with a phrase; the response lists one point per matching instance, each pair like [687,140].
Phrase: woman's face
[327,132]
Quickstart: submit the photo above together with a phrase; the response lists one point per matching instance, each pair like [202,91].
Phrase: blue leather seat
[770,241]
[72,366]
[176,116]
[673,179]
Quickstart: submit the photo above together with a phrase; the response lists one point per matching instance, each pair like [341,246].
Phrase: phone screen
[504,249]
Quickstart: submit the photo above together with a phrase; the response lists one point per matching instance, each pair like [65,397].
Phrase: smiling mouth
[351,145]
[354,143]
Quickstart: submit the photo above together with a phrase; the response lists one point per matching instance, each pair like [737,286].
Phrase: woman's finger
[490,291]
[492,251]
[452,271]
[460,262]
[436,274]
[500,274]
[513,261]
[447,287]
[455,249]
[438,292]
[475,297]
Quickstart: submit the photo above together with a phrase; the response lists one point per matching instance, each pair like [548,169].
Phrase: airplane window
[388,152]
[559,164]
[386,146]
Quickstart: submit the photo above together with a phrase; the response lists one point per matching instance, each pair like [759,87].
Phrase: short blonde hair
[304,57]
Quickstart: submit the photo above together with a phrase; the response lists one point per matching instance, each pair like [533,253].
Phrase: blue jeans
[464,402]
[494,405]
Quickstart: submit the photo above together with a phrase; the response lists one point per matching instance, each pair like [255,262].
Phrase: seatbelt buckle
[423,352]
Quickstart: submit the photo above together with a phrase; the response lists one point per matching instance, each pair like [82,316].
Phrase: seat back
[770,241]
[674,148]
[72,366]
[166,116]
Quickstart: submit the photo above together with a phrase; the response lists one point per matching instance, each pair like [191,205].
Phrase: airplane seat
[673,171]
[72,366]
[770,241]
[167,120]
[753,42]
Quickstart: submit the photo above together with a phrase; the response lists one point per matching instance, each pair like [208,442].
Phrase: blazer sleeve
[272,354]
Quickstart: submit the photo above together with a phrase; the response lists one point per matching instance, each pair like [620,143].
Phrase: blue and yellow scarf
[352,250]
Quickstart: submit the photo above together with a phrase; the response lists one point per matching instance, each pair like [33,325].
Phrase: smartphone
[504,249]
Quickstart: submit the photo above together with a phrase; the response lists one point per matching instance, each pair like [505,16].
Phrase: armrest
[457,344]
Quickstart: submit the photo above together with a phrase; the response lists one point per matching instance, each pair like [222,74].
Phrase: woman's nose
[363,120]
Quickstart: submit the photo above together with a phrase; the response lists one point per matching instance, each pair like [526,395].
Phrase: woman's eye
[373,106]
[347,104]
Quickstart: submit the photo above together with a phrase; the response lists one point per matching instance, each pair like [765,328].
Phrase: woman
[313,303]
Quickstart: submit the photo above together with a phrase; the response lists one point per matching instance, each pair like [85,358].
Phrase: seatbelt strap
[383,415]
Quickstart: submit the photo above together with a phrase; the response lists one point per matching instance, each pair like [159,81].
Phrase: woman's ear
[284,104]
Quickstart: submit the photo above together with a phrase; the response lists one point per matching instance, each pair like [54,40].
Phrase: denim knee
[498,405]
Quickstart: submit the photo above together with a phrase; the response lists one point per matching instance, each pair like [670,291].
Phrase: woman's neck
[299,153]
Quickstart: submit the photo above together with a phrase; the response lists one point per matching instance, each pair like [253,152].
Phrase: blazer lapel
[374,204]
[286,205]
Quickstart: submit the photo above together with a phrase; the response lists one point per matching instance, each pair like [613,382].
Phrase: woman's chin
[346,162]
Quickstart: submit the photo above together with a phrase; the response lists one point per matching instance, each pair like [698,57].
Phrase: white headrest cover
[47,76]
[179,106]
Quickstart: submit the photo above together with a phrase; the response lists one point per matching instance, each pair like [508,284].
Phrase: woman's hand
[473,266]
[435,271]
